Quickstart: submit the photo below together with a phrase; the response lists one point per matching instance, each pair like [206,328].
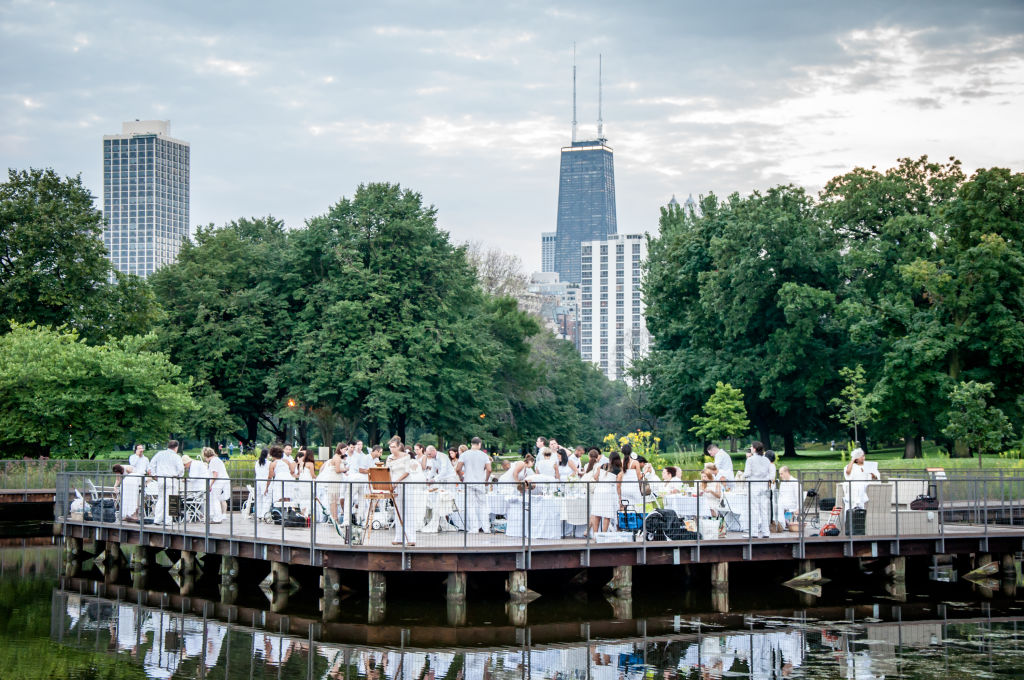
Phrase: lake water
[52,626]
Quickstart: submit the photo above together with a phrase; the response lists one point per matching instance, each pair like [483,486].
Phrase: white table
[739,519]
[545,516]
[440,504]
[686,506]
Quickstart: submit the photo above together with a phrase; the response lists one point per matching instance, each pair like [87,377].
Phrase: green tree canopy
[74,399]
[53,266]
[724,414]
[982,428]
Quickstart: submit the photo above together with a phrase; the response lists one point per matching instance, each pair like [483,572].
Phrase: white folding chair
[194,506]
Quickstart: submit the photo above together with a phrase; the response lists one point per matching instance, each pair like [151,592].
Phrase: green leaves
[75,399]
[982,428]
[724,414]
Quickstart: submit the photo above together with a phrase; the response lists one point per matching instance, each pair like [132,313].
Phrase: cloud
[226,67]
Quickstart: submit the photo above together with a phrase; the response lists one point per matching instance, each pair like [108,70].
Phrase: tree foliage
[75,399]
[724,414]
[915,273]
[53,266]
[970,419]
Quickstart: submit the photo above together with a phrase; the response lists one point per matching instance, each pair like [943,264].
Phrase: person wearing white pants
[474,467]
[167,469]
[410,498]
[758,474]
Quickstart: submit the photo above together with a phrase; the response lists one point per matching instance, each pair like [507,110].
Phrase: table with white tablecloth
[687,506]
[440,504]
[736,511]
[546,515]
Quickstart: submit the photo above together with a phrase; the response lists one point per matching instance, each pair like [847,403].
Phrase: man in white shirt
[439,468]
[474,468]
[724,464]
[758,473]
[168,470]
[138,460]
[288,453]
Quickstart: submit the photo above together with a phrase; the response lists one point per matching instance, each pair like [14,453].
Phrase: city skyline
[288,110]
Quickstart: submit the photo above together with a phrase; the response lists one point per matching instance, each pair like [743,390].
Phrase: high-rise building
[145,196]
[586,192]
[547,251]
[586,203]
[612,329]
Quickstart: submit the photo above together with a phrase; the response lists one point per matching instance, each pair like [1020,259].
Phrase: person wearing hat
[858,478]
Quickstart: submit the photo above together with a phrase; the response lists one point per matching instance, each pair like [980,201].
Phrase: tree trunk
[252,429]
[789,442]
[372,433]
[912,447]
[400,423]
[303,427]
[733,445]
[764,433]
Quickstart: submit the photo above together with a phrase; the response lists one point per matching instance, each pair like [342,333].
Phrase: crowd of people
[337,488]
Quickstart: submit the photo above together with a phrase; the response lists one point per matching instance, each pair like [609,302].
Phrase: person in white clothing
[474,467]
[166,468]
[858,479]
[439,469]
[723,463]
[220,485]
[789,495]
[129,483]
[138,460]
[758,474]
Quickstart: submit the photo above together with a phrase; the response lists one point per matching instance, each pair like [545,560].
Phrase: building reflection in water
[182,644]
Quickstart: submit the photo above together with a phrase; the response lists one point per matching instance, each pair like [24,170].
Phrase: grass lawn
[888,459]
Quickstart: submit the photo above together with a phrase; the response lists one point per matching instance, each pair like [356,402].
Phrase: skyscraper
[586,195]
[145,196]
[547,251]
[613,331]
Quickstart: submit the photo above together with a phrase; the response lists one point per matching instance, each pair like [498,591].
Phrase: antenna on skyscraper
[574,91]
[600,123]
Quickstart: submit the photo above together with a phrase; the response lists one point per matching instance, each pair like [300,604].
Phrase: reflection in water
[170,643]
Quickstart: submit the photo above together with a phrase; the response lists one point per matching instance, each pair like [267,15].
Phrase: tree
[887,220]
[500,274]
[724,414]
[854,407]
[53,266]
[982,428]
[226,315]
[745,292]
[72,399]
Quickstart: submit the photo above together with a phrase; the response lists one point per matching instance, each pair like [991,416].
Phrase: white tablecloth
[545,516]
[440,504]
[686,506]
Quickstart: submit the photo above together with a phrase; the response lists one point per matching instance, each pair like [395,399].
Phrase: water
[55,626]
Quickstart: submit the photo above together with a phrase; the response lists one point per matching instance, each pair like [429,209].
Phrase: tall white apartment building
[613,331]
[547,251]
[145,196]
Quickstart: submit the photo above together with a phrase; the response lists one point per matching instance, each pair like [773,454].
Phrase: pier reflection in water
[185,638]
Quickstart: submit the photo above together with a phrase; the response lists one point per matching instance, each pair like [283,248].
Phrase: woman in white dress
[303,493]
[262,473]
[279,477]
[410,498]
[629,481]
[604,498]
[129,481]
[220,485]
[507,483]
[329,482]
[547,464]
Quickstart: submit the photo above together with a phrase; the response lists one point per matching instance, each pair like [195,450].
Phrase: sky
[290,106]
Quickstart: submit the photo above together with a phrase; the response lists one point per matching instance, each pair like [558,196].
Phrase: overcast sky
[290,106]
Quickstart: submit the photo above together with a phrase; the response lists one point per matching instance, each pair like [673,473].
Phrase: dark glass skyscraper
[586,203]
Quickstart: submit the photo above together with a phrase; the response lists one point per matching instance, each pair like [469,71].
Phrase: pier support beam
[517,588]
[1008,566]
[377,590]
[330,603]
[720,576]
[228,569]
[897,569]
[720,587]
[279,576]
[804,566]
[456,586]
[456,612]
[187,562]
[622,582]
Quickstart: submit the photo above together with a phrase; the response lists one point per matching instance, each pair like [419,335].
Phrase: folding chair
[732,518]
[194,506]
[381,489]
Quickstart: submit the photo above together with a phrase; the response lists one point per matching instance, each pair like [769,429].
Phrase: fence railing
[453,514]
